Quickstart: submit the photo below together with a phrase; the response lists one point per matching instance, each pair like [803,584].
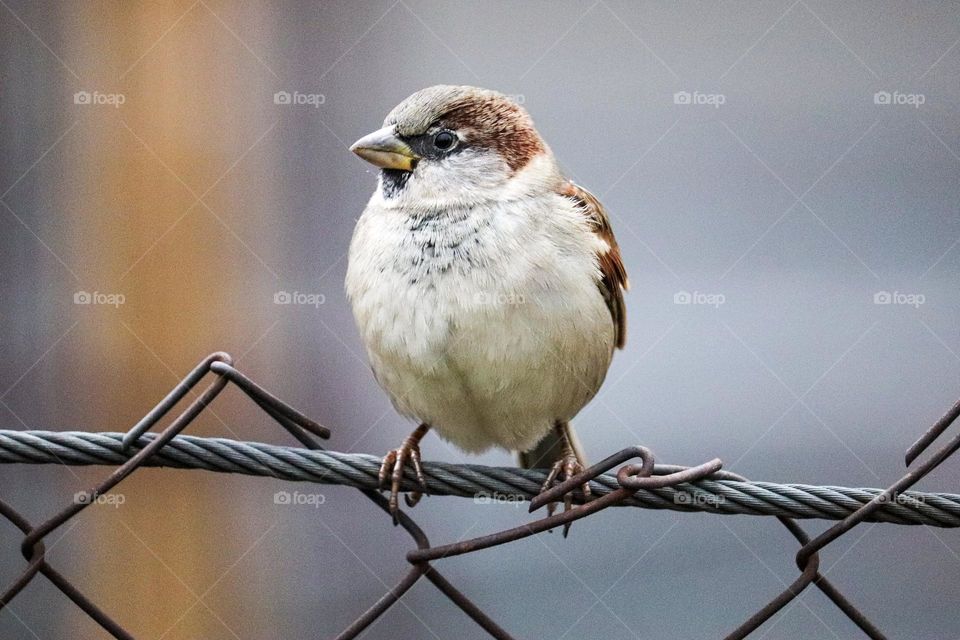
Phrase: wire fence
[628,478]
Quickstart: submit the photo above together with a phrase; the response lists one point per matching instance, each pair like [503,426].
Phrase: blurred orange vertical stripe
[142,232]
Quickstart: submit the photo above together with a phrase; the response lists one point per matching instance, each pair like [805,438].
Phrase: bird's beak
[384,149]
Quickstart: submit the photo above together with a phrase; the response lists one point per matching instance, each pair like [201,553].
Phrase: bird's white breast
[486,321]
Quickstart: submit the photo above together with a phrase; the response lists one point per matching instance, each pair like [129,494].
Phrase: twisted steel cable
[716,494]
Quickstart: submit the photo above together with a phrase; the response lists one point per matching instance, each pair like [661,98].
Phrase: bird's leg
[393,464]
[567,465]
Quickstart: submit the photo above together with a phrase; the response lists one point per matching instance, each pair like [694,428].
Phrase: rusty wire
[631,478]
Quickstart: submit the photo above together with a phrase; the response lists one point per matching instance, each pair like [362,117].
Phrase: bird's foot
[392,467]
[563,469]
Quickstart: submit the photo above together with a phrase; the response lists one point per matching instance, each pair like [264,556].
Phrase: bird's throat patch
[393,181]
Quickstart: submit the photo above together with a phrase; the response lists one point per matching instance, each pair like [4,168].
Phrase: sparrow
[488,289]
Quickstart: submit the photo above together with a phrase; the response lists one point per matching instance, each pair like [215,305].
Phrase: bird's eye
[444,140]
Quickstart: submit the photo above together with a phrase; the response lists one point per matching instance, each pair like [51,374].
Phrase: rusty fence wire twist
[627,478]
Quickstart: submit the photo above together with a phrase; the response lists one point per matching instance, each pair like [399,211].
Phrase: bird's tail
[550,449]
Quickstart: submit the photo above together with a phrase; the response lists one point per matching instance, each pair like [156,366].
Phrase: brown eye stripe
[497,124]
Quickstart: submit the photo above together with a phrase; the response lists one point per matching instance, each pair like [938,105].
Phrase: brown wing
[614,276]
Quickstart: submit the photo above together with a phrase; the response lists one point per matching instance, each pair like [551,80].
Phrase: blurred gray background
[813,169]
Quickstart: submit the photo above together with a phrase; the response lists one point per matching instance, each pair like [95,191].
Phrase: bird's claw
[563,469]
[392,466]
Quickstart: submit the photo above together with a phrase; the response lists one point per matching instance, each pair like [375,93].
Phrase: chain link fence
[628,478]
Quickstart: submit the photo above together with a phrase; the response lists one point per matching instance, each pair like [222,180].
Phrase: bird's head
[457,146]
